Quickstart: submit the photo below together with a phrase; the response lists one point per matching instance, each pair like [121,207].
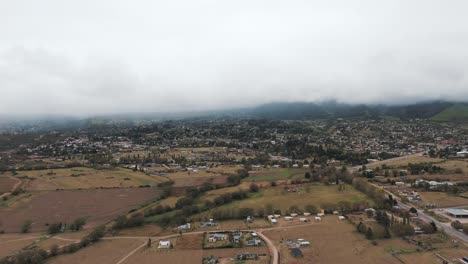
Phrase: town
[229,190]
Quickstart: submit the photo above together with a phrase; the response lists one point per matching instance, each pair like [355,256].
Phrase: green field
[308,194]
[458,112]
[276,174]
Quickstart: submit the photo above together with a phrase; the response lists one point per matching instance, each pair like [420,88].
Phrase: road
[446,227]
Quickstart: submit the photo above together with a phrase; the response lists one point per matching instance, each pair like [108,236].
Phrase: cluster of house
[462,154]
[433,185]
[274,218]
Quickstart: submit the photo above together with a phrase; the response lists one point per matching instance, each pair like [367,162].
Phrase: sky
[92,57]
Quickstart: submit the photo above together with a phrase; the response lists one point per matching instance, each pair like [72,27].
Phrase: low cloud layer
[95,57]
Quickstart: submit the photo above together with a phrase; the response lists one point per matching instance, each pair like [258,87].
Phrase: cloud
[86,58]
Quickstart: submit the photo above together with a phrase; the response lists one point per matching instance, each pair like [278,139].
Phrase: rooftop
[455,211]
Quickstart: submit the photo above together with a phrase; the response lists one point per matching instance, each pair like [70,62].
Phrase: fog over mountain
[102,57]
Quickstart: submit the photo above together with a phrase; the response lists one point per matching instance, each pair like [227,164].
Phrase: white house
[273,221]
[306,214]
[164,244]
[462,154]
[288,218]
[303,219]
[341,217]
[318,219]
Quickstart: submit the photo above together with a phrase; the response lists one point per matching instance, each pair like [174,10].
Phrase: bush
[457,225]
[26,227]
[96,234]
[54,228]
[54,250]
[78,224]
[253,187]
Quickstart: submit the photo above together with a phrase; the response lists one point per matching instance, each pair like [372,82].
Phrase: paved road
[446,227]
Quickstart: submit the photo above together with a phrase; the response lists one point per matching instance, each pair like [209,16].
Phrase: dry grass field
[150,256]
[6,183]
[307,194]
[406,161]
[442,199]
[103,252]
[196,178]
[451,254]
[274,174]
[10,244]
[100,206]
[334,241]
[86,178]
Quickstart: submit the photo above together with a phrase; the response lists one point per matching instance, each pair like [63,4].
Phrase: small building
[246,256]
[341,217]
[254,242]
[335,212]
[164,244]
[187,226]
[293,214]
[288,218]
[318,219]
[217,237]
[306,214]
[303,219]
[462,154]
[457,213]
[273,221]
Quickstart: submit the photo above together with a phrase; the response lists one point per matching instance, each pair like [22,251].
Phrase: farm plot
[351,247]
[105,251]
[9,244]
[99,206]
[150,256]
[441,199]
[86,178]
[196,178]
[274,174]
[7,183]
[317,195]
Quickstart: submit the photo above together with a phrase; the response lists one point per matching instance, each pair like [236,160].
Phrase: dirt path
[17,184]
[131,253]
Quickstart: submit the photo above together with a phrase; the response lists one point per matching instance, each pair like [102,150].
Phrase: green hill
[457,112]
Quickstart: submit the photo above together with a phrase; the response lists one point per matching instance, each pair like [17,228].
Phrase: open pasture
[109,251]
[99,206]
[306,194]
[274,174]
[86,178]
[351,247]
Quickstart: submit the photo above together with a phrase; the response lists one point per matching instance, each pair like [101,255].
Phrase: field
[400,162]
[457,112]
[86,178]
[351,247]
[307,194]
[196,178]
[7,183]
[11,244]
[441,199]
[275,174]
[105,251]
[99,206]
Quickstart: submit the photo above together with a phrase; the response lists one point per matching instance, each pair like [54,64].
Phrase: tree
[413,210]
[369,233]
[54,249]
[307,175]
[97,234]
[457,225]
[54,228]
[78,224]
[149,243]
[253,187]
[26,227]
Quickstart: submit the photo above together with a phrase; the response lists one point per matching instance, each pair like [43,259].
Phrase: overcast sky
[108,56]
